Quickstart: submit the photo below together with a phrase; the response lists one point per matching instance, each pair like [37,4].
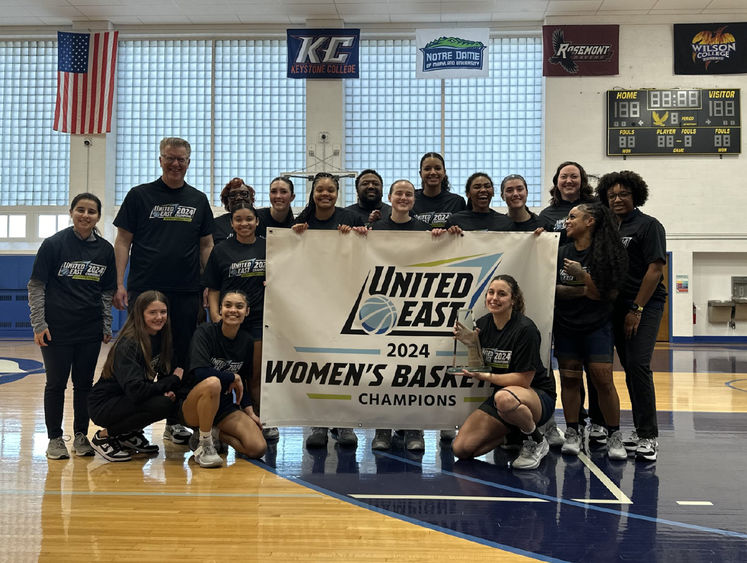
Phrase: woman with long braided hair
[590,270]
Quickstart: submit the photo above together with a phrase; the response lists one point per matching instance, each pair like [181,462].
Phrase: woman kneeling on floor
[523,394]
[217,353]
[138,383]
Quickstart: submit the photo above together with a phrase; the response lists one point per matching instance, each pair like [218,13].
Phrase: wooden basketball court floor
[354,505]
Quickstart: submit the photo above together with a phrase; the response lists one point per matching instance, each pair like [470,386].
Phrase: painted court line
[449,497]
[585,505]
[694,503]
[606,481]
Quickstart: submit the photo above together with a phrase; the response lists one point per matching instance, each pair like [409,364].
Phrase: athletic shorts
[547,402]
[585,347]
[225,407]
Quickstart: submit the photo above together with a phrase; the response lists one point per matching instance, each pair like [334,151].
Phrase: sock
[612,429]
[534,434]
[206,437]
[573,425]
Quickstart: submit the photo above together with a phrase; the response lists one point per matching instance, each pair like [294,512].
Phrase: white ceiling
[231,12]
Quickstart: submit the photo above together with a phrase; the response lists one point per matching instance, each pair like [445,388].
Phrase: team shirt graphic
[436,219]
[173,212]
[81,270]
[222,364]
[247,268]
[495,358]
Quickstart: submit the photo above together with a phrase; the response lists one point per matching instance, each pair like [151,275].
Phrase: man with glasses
[165,230]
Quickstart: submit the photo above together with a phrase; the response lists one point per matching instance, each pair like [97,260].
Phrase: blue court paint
[653,528]
[737,384]
[25,367]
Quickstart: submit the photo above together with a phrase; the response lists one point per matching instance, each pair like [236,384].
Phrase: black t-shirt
[266,220]
[646,242]
[233,265]
[555,216]
[436,210]
[515,348]
[339,217]
[76,272]
[363,213]
[130,376]
[388,225]
[470,220]
[534,222]
[222,228]
[580,314]
[211,349]
[166,225]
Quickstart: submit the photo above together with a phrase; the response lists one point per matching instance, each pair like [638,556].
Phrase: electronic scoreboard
[654,122]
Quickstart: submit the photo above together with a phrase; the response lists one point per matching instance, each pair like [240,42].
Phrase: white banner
[358,328]
[452,53]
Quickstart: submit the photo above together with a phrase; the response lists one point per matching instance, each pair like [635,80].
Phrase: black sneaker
[137,442]
[109,448]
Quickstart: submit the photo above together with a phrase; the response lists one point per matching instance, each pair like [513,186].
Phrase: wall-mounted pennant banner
[323,53]
[710,48]
[452,53]
[580,50]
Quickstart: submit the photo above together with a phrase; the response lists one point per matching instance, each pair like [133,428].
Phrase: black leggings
[120,415]
[59,362]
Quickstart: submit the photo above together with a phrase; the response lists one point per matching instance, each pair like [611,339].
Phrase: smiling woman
[70,297]
[523,395]
[137,383]
[213,397]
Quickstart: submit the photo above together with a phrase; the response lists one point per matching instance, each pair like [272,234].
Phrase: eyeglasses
[236,194]
[171,159]
[620,195]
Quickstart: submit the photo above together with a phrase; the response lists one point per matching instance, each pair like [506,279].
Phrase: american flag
[85,81]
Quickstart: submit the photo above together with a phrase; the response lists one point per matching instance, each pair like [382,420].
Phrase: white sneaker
[177,433]
[615,447]
[554,436]
[598,434]
[631,443]
[573,441]
[648,449]
[206,456]
[531,454]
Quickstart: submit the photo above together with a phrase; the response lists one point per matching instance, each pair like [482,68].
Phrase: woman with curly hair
[590,270]
[640,304]
[233,192]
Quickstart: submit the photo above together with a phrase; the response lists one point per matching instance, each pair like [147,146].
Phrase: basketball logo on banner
[378,315]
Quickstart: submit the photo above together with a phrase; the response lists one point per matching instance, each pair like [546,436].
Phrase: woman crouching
[523,395]
[217,353]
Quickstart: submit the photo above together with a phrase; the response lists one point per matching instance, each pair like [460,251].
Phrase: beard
[369,202]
